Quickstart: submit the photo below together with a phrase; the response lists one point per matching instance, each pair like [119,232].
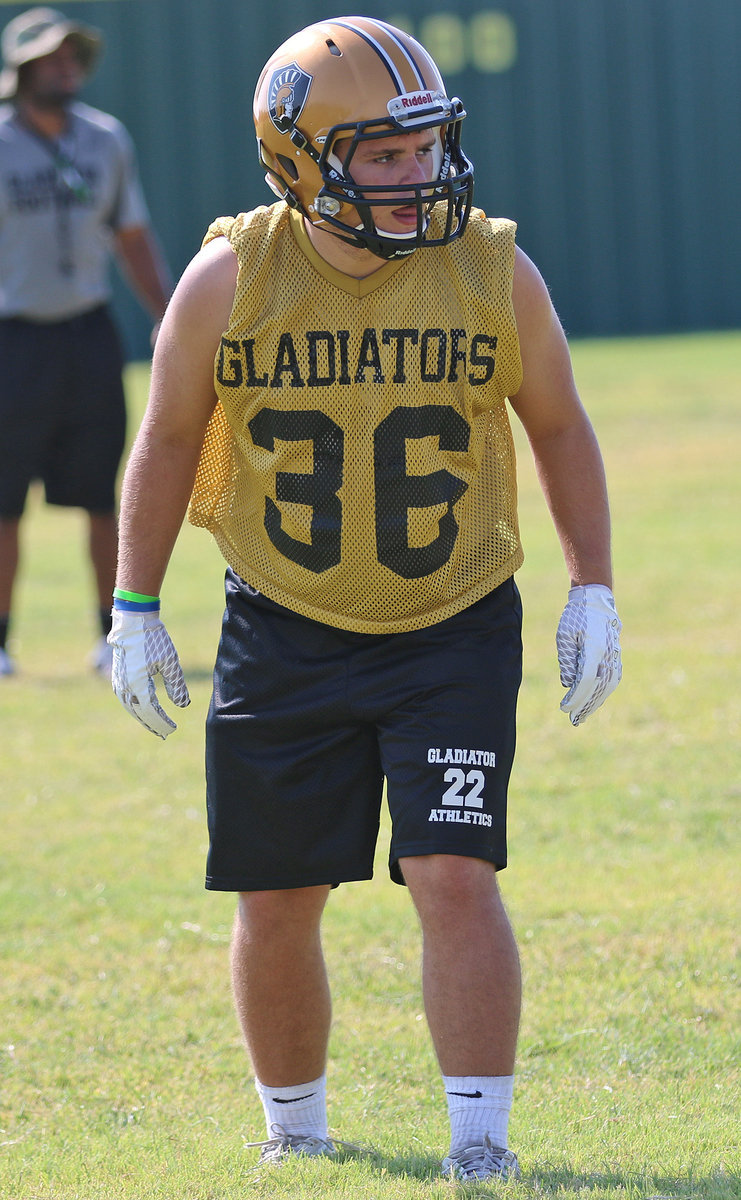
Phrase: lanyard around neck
[75,189]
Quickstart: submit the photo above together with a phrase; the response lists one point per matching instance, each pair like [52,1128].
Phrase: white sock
[300,1108]
[477,1105]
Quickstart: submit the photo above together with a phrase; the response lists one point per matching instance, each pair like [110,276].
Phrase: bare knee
[290,913]
[449,883]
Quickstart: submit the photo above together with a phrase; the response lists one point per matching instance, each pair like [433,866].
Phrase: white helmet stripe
[385,58]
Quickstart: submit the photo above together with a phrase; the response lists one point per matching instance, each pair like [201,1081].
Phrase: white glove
[588,645]
[142,649]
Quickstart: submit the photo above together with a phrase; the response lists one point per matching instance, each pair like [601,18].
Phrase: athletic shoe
[101,658]
[481,1162]
[7,666]
[284,1144]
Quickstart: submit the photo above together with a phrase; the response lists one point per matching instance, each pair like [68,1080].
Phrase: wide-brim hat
[41,31]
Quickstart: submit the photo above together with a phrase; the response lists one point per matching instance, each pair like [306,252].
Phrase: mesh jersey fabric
[359,466]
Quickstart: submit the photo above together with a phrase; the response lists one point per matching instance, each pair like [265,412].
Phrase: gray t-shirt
[59,203]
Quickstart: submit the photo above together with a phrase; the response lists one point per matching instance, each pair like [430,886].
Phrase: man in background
[70,197]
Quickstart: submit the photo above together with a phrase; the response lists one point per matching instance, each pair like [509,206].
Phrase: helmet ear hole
[288,166]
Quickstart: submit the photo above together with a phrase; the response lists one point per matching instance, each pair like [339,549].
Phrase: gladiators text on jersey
[321,358]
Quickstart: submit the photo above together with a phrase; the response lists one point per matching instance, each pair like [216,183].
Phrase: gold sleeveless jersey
[359,466]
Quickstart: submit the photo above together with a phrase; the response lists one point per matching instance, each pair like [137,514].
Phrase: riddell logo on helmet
[413,107]
[414,99]
[287,92]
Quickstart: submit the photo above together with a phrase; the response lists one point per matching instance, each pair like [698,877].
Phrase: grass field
[121,1069]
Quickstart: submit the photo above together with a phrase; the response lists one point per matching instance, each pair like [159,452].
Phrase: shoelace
[284,1142]
[479,1162]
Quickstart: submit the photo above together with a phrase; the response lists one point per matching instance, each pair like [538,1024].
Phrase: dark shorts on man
[307,722]
[62,411]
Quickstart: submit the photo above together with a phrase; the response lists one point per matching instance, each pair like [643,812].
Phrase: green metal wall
[609,129]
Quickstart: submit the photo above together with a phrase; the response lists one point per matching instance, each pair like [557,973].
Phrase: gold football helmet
[357,78]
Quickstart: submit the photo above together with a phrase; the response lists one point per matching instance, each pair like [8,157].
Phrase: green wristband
[134,597]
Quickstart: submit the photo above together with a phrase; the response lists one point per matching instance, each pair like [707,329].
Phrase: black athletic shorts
[62,411]
[306,721]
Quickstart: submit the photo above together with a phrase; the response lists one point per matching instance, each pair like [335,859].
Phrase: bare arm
[565,450]
[145,268]
[161,469]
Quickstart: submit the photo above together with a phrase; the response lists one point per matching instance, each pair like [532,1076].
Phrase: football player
[330,397]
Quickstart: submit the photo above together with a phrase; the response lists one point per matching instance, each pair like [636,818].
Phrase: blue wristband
[133,606]
[124,601]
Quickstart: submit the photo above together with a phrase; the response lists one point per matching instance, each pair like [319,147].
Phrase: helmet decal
[287,92]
